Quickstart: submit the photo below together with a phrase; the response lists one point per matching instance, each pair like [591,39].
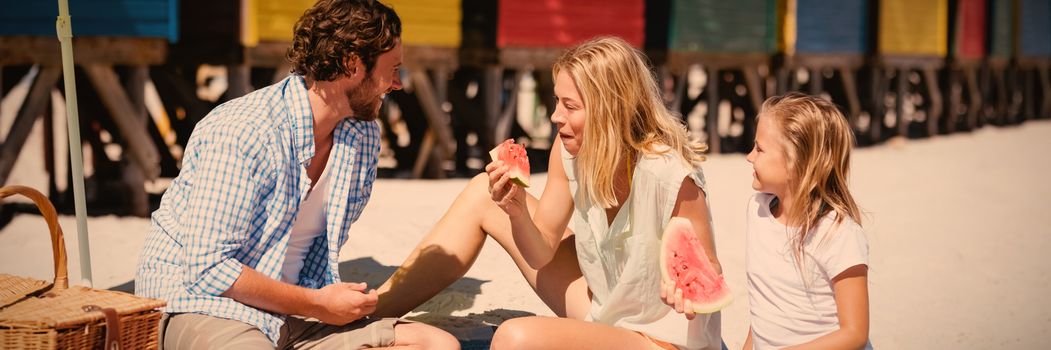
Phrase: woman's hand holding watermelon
[507,194]
[673,297]
[690,282]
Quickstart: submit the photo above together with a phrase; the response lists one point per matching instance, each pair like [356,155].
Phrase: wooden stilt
[33,106]
[955,86]
[132,129]
[502,129]
[493,83]
[1045,89]
[712,121]
[878,113]
[974,106]
[133,177]
[239,78]
[935,103]
[437,118]
[281,72]
[850,88]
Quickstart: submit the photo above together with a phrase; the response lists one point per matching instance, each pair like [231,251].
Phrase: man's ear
[354,66]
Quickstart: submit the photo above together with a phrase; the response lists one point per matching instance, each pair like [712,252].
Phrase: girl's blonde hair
[625,114]
[817,144]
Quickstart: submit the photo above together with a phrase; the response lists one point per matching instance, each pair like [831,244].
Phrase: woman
[623,165]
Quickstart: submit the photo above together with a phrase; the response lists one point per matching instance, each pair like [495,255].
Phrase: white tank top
[309,223]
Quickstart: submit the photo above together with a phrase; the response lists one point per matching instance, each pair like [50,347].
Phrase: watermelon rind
[519,180]
[698,308]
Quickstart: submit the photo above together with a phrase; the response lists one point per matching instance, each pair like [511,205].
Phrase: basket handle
[58,243]
[113,331]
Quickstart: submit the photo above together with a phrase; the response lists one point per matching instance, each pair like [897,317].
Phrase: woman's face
[570,113]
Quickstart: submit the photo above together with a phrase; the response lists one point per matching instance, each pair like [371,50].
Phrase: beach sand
[958,231]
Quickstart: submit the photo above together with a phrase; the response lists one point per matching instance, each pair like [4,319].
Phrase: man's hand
[342,303]
[336,304]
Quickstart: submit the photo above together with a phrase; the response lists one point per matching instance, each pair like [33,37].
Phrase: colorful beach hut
[969,33]
[733,41]
[1034,57]
[431,33]
[531,34]
[806,42]
[995,80]
[912,37]
[106,33]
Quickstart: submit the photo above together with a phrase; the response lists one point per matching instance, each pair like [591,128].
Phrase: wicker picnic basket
[37,315]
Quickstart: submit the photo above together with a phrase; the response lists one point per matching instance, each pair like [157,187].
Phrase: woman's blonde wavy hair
[818,141]
[625,117]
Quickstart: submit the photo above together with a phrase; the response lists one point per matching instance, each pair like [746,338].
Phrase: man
[245,244]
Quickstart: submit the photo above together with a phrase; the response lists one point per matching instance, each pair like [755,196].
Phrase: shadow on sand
[475,330]
[126,287]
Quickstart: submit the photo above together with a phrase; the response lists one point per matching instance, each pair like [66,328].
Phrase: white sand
[958,227]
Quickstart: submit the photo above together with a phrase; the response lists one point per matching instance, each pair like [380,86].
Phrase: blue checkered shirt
[242,181]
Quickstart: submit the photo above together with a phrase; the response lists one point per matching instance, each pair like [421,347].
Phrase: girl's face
[569,113]
[770,168]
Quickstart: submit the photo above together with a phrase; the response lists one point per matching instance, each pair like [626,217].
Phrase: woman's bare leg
[452,246]
[423,337]
[559,333]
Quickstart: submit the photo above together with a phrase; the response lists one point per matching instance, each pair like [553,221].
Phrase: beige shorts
[196,331]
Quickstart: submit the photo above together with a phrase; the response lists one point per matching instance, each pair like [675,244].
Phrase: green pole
[65,37]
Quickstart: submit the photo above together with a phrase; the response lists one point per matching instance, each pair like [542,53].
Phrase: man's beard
[363,103]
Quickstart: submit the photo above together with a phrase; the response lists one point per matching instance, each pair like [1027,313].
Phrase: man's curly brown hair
[333,30]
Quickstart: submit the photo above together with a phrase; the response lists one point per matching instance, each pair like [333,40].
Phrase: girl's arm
[852,304]
[690,203]
[748,340]
[538,236]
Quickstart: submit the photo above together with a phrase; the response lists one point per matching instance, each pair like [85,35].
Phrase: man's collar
[302,117]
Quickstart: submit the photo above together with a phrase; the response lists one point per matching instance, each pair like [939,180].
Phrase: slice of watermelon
[514,156]
[685,264]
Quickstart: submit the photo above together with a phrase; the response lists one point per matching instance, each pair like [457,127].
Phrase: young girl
[620,168]
[807,255]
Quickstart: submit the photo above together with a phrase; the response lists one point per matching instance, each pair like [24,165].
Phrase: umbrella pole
[65,37]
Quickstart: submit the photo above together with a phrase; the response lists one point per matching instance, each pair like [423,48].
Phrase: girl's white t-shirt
[785,310]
